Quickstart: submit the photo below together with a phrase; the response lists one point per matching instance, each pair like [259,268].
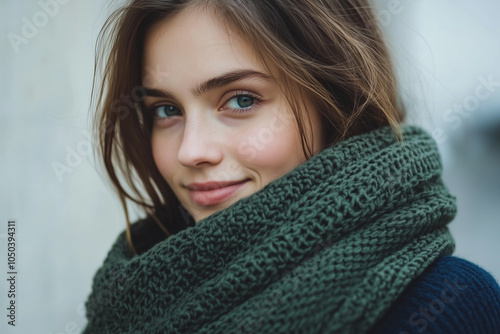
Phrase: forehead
[193,46]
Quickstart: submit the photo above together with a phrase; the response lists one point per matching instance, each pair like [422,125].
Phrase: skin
[241,130]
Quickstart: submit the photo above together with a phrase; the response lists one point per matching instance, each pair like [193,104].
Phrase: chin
[209,212]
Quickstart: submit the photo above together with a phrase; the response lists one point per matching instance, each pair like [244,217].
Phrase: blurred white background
[447,56]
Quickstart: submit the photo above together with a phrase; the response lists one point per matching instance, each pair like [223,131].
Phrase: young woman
[264,142]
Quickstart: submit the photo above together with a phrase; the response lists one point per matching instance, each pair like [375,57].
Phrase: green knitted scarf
[327,248]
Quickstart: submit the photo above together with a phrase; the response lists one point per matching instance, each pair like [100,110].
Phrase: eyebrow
[213,83]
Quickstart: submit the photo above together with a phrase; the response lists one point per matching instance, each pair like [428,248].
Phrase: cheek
[164,155]
[275,147]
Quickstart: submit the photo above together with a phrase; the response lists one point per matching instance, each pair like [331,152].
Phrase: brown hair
[331,50]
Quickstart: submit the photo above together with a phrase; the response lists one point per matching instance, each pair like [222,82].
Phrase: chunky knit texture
[327,248]
[452,296]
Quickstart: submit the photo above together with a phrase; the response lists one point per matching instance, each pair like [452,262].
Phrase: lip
[213,193]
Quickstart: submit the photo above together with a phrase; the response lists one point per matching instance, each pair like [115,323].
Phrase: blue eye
[241,102]
[166,111]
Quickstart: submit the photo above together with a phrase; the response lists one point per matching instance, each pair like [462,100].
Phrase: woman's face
[222,128]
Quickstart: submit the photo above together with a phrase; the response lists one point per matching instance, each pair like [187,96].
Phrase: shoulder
[452,296]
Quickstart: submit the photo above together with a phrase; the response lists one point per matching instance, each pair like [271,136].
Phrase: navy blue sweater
[452,296]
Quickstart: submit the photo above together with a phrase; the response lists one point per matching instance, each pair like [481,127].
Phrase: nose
[199,145]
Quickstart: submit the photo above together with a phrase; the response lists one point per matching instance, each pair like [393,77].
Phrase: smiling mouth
[213,193]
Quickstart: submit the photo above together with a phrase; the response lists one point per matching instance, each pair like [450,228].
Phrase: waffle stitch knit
[327,248]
